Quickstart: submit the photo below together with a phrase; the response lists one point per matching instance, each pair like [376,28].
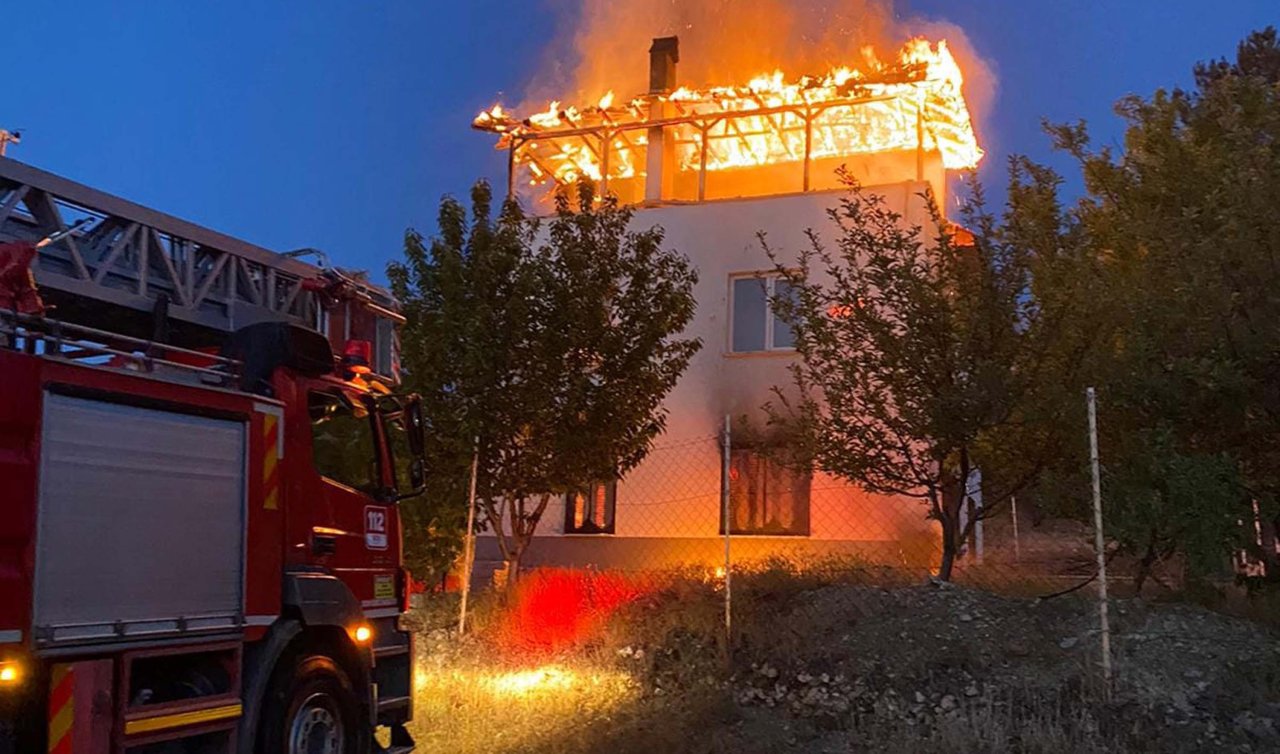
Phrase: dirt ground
[932,668]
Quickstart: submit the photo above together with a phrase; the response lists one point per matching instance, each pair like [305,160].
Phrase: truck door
[350,522]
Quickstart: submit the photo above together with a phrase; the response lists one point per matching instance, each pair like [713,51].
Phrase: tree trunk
[515,550]
[1144,566]
[950,533]
[948,515]
[513,566]
[523,526]
[954,496]
[1270,556]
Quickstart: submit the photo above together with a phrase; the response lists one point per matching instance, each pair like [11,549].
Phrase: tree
[923,357]
[553,345]
[466,298]
[1184,230]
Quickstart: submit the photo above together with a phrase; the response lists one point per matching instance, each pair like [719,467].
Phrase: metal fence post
[1017,545]
[469,544]
[728,561]
[1099,542]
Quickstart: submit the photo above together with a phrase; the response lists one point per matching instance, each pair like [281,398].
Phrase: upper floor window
[590,511]
[342,444]
[753,325]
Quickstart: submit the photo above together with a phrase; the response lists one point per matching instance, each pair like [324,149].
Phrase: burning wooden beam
[913,103]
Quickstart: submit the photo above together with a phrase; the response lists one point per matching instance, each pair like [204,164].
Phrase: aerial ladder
[160,278]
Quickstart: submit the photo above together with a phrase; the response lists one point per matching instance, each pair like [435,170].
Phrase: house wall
[668,509]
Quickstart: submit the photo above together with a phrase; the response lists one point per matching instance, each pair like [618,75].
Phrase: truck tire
[312,708]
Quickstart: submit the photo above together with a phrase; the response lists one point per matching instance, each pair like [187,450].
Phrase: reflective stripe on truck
[80,709]
[272,453]
[182,719]
[62,708]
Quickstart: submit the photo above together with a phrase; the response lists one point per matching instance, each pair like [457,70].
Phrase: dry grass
[475,706]
[573,662]
[588,662]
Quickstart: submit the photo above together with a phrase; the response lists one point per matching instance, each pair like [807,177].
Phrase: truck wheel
[312,710]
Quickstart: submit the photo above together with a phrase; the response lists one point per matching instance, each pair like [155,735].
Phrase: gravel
[862,661]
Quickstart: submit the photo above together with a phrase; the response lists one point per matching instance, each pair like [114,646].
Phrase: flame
[913,102]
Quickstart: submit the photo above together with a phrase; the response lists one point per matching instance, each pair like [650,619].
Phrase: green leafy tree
[467,296]
[1184,230]
[922,357]
[553,344]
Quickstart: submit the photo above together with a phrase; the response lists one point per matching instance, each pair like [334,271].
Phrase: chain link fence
[699,507]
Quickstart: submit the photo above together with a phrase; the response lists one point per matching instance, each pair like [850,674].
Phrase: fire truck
[202,448]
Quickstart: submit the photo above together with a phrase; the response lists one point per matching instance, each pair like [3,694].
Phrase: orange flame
[914,102]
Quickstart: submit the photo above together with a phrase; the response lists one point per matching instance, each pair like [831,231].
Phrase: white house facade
[715,168]
[668,511]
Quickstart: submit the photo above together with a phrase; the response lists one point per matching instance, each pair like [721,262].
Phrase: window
[395,429]
[754,325]
[384,348]
[342,446]
[590,511]
[766,497]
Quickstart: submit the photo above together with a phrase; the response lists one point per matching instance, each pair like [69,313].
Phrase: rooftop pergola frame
[666,144]
[611,139]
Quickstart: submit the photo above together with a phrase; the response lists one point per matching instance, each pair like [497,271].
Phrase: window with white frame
[753,325]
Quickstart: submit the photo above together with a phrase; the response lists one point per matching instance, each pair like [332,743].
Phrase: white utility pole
[1017,545]
[728,562]
[1098,541]
[469,544]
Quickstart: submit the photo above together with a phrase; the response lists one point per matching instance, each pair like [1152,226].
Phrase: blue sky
[341,125]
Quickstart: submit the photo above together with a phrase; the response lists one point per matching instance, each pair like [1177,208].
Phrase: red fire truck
[199,541]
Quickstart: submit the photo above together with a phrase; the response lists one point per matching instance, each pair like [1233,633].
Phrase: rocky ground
[922,664]
[919,669]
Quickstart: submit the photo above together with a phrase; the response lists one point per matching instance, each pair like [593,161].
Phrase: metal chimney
[660,158]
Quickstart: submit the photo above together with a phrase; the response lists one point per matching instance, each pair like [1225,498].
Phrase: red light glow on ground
[556,608]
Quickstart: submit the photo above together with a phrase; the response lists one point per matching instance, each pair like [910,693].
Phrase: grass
[573,661]
[582,661]
[474,705]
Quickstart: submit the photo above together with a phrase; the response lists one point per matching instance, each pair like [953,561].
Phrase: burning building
[714,166]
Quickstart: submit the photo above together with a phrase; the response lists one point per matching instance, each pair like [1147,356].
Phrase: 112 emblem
[375,527]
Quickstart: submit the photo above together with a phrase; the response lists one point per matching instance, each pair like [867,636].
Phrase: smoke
[605,43]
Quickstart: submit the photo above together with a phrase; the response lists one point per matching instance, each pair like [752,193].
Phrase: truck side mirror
[415,428]
[413,418]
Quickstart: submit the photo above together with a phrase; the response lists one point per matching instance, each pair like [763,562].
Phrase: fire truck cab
[199,543]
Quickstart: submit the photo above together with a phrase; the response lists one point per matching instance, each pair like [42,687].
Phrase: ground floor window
[590,511]
[766,496]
